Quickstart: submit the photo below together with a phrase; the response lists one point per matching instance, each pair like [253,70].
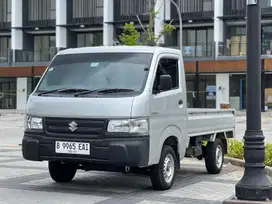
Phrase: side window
[167,66]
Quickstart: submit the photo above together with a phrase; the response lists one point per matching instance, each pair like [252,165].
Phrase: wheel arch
[223,137]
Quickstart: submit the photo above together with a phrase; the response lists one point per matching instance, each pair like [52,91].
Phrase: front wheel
[214,156]
[62,172]
[162,174]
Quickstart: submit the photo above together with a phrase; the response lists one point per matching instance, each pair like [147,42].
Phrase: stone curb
[241,163]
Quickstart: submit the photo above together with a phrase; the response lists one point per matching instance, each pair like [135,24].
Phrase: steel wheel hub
[219,156]
[168,168]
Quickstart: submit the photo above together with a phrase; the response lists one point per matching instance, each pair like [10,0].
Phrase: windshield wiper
[62,90]
[115,90]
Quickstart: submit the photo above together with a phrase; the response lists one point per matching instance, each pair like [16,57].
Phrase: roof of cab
[116,49]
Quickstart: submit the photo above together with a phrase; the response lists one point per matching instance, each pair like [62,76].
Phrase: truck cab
[116,108]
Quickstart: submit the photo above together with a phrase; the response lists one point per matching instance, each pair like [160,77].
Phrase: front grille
[72,126]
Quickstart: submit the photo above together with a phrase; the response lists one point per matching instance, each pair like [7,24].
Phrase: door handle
[180,102]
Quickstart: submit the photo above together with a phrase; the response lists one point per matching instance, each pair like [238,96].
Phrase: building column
[61,21]
[17,33]
[21,93]
[222,89]
[218,26]
[108,18]
[159,21]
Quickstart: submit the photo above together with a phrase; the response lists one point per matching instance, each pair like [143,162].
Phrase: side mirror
[36,80]
[165,82]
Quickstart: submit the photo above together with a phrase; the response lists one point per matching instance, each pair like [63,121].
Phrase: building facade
[213,38]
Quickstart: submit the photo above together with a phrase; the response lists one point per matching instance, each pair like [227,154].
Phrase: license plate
[72,148]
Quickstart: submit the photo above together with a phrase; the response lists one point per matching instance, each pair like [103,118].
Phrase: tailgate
[208,121]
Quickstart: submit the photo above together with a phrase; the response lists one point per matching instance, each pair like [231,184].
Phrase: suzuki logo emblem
[73,126]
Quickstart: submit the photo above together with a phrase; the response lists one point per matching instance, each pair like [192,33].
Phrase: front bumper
[125,151]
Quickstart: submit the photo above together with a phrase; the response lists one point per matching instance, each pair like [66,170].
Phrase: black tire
[213,163]
[62,172]
[158,180]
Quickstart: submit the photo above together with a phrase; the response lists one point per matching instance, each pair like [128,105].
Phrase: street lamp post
[180,22]
[254,184]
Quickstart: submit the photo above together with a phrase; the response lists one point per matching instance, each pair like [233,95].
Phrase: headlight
[129,126]
[34,123]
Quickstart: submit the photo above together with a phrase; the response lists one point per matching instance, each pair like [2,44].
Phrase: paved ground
[29,182]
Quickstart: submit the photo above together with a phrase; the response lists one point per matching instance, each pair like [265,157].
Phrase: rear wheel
[162,174]
[62,172]
[214,156]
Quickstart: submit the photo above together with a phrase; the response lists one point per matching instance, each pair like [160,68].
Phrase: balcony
[238,49]
[85,12]
[39,14]
[127,10]
[199,51]
[36,56]
[197,10]
[236,9]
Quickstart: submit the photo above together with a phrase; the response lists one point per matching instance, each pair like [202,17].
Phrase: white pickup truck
[123,109]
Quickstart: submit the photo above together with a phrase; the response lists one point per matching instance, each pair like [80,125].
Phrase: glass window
[4,49]
[189,6]
[201,43]
[207,5]
[97,71]
[237,41]
[41,9]
[8,88]
[129,7]
[265,3]
[89,39]
[207,99]
[87,8]
[191,37]
[167,66]
[5,8]
[198,42]
[44,47]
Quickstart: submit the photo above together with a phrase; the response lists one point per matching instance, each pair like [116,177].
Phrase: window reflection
[197,42]
[44,47]
[5,45]
[89,39]
[5,8]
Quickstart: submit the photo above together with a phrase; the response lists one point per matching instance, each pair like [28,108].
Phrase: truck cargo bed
[209,121]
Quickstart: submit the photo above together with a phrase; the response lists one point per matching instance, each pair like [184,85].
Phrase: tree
[130,36]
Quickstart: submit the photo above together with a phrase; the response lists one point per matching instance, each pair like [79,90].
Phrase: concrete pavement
[29,182]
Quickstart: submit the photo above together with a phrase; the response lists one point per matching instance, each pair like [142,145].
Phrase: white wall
[218,24]
[222,89]
[159,20]
[21,97]
[16,24]
[61,19]
[108,28]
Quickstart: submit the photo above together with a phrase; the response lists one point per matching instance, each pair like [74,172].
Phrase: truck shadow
[108,183]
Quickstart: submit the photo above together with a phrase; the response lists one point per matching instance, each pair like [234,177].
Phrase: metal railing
[199,50]
[238,48]
[127,10]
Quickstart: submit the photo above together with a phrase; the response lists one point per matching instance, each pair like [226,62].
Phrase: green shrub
[236,150]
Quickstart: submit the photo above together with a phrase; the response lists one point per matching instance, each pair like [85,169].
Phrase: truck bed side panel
[210,121]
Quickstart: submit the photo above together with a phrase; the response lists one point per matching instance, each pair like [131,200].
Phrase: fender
[172,131]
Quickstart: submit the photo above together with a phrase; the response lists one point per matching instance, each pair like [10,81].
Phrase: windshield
[95,71]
